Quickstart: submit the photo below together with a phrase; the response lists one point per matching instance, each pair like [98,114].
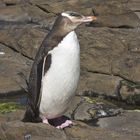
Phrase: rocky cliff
[110,59]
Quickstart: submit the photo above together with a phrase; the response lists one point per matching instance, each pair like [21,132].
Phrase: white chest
[60,82]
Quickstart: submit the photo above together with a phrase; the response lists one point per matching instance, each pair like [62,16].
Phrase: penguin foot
[60,122]
[65,124]
[45,121]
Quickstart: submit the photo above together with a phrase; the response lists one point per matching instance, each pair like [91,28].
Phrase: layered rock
[14,69]
[123,127]
[110,60]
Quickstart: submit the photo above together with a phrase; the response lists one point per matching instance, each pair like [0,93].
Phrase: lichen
[95,100]
[9,107]
[90,100]
[130,84]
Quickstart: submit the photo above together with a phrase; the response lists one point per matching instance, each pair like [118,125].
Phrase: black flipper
[34,87]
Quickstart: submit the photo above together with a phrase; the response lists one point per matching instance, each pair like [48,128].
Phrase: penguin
[55,72]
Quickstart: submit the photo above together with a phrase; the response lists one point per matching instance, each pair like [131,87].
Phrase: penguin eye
[75,14]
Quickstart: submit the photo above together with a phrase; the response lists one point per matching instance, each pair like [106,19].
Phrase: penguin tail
[31,116]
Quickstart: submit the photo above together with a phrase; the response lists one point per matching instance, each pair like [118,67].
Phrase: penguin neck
[58,34]
[70,42]
[55,37]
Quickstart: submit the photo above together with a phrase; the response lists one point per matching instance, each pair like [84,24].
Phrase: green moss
[90,100]
[130,84]
[92,112]
[94,100]
[9,107]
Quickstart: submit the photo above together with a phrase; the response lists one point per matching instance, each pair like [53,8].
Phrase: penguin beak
[88,18]
[84,19]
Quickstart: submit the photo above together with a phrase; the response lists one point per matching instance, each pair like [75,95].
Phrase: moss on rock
[9,107]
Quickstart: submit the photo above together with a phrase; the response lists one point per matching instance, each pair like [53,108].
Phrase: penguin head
[75,19]
[70,20]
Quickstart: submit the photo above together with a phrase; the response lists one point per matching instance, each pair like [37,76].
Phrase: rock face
[14,68]
[110,66]
[23,39]
[110,60]
[123,127]
[134,5]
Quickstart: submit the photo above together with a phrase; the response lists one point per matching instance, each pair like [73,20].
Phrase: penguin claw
[67,123]
[45,121]
[60,122]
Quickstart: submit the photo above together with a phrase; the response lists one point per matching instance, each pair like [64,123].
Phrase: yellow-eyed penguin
[55,72]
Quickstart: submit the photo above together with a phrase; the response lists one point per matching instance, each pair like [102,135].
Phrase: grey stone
[127,123]
[13,69]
